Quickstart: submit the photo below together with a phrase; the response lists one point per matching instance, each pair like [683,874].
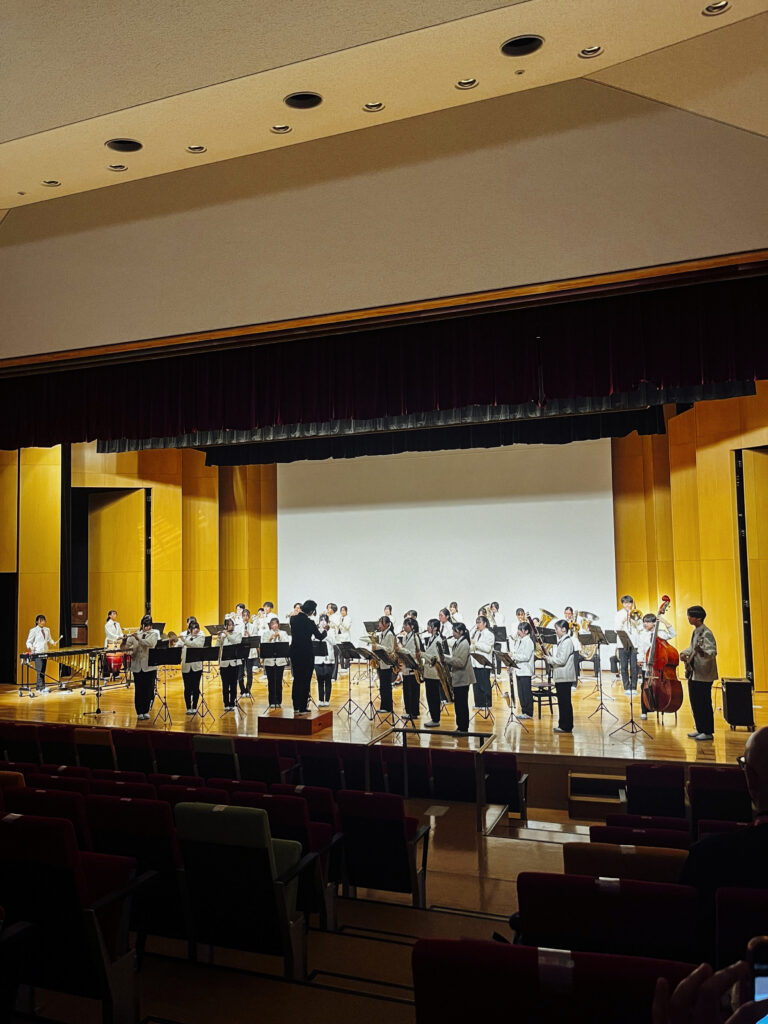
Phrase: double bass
[662,690]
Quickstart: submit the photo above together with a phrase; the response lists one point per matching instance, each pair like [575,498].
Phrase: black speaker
[737,703]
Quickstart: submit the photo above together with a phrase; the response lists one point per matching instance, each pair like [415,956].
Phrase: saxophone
[443,673]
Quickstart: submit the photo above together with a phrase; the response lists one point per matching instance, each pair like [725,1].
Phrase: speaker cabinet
[737,703]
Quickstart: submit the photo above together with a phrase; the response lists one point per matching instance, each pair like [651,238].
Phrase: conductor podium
[282,723]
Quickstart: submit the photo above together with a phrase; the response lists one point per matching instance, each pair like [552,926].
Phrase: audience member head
[756,768]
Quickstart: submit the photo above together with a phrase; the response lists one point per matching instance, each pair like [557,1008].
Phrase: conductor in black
[303,629]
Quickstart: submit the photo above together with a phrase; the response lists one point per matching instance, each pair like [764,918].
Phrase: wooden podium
[282,723]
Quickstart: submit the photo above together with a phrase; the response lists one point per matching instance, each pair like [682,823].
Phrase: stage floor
[593,737]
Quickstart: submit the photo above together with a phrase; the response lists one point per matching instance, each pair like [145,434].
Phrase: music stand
[598,637]
[274,649]
[202,654]
[160,659]
[319,650]
[215,630]
[383,660]
[371,627]
[500,632]
[159,626]
[630,725]
[99,688]
[485,713]
[409,662]
[249,642]
[348,651]
[236,652]
[285,627]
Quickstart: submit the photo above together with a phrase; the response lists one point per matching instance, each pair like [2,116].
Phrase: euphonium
[545,618]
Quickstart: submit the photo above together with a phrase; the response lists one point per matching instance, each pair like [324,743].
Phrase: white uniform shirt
[644,638]
[410,644]
[623,621]
[345,629]
[329,641]
[482,642]
[563,661]
[139,648]
[269,637]
[524,654]
[38,640]
[185,641]
[113,632]
[430,656]
[230,640]
[250,629]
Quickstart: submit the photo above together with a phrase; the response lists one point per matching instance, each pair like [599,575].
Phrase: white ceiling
[172,74]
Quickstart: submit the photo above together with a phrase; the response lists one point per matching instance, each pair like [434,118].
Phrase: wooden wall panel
[39,539]
[756,502]
[116,542]
[9,470]
[199,538]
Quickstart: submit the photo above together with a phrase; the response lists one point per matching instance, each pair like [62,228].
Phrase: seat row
[712,792]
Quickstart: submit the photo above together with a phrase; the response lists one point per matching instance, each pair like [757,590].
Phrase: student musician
[411,644]
[700,657]
[113,632]
[496,614]
[482,641]
[520,615]
[247,665]
[139,645]
[191,670]
[274,667]
[563,661]
[446,626]
[432,686]
[325,663]
[303,630]
[385,637]
[229,666]
[462,674]
[453,610]
[644,641]
[627,656]
[237,614]
[38,642]
[343,636]
[334,621]
[524,657]
[573,624]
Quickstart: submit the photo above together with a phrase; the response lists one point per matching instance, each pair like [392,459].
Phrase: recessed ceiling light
[521,46]
[21,193]
[50,183]
[280,129]
[117,167]
[196,149]
[466,83]
[303,100]
[372,108]
[520,71]
[590,51]
[718,8]
[124,145]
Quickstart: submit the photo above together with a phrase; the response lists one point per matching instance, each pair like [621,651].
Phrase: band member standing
[229,667]
[274,667]
[446,626]
[113,632]
[191,671]
[303,629]
[38,642]
[411,690]
[247,665]
[139,645]
[237,614]
[627,657]
[563,661]
[462,674]
[453,610]
[700,657]
[325,663]
[524,657]
[385,637]
[482,641]
[432,685]
[497,615]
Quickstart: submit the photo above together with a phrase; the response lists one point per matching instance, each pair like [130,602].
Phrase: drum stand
[631,725]
[163,712]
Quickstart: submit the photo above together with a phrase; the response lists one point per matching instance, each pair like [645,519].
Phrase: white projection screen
[527,525]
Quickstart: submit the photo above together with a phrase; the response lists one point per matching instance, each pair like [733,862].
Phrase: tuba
[545,618]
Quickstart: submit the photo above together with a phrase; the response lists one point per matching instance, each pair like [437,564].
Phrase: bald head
[756,758]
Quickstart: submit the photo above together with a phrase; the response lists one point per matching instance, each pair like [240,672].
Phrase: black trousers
[192,688]
[228,684]
[525,695]
[324,675]
[40,664]
[461,707]
[482,688]
[564,705]
[411,691]
[628,666]
[302,677]
[245,672]
[434,693]
[700,696]
[143,691]
[275,683]
[385,689]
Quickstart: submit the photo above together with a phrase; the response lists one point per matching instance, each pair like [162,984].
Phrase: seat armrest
[514,924]
[297,869]
[127,890]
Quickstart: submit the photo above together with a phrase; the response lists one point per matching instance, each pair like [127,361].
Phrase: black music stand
[484,713]
[351,653]
[383,660]
[509,662]
[274,649]
[161,659]
[630,725]
[409,662]
[202,654]
[98,709]
[236,652]
[215,630]
[249,642]
[371,627]
[500,632]
[598,637]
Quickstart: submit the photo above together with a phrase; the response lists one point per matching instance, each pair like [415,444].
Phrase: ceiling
[215,76]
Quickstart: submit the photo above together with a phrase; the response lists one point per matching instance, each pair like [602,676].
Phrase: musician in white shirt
[247,665]
[38,642]
[411,644]
[191,671]
[645,636]
[524,657]
[563,661]
[139,645]
[274,667]
[498,615]
[113,632]
[482,641]
[432,685]
[446,626]
[385,638]
[325,663]
[627,657]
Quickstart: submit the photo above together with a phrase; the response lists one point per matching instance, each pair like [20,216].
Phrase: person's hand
[698,998]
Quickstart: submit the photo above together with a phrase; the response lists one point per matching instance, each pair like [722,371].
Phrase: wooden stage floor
[593,737]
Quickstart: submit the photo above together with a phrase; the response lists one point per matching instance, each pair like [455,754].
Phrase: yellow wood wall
[115,559]
[39,539]
[675,521]
[199,538]
[9,468]
[247,536]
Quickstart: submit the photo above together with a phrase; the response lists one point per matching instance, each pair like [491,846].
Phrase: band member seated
[191,670]
[274,667]
[385,637]
[325,663]
[482,641]
[229,667]
[412,645]
[434,690]
[563,661]
[644,640]
[303,629]
[462,674]
[38,642]
[139,645]
[700,658]
[524,656]
[627,657]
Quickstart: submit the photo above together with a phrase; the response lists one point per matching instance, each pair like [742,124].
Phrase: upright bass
[662,690]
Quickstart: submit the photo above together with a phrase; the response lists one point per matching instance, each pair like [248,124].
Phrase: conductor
[303,629]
